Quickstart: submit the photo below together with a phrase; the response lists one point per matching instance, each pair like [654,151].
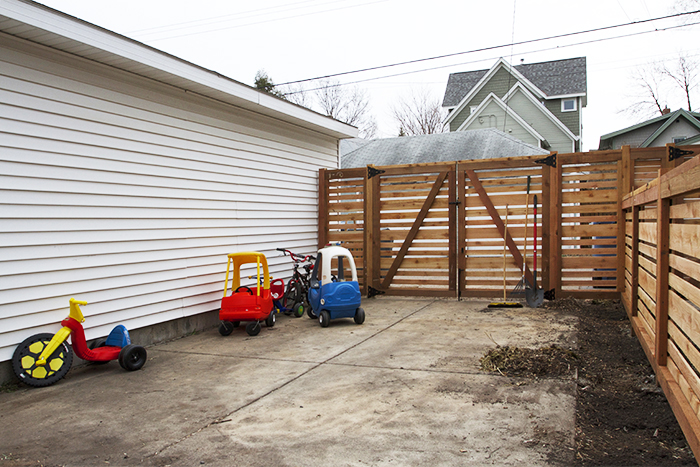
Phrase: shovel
[534,296]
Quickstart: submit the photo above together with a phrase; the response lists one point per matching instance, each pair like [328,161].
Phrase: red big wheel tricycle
[246,303]
[43,359]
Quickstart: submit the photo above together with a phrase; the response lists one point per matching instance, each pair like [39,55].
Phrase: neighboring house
[680,127]
[127,175]
[442,147]
[538,103]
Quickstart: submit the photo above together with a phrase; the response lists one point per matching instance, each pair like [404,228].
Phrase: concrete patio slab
[404,388]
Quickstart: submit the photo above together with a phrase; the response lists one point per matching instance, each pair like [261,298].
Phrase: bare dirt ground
[622,416]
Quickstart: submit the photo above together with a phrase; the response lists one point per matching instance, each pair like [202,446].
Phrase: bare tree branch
[420,114]
[349,105]
[685,74]
[298,95]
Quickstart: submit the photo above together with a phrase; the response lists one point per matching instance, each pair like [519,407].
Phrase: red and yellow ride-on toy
[246,303]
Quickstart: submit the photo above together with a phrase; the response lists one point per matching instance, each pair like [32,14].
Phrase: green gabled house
[538,103]
[681,126]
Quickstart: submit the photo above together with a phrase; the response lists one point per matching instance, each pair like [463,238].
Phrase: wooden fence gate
[467,228]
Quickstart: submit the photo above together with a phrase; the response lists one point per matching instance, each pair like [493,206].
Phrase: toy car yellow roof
[246,257]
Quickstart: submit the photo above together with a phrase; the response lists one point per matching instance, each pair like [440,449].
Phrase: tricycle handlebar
[297,258]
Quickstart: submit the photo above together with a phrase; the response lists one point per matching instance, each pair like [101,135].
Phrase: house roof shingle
[444,147]
[555,78]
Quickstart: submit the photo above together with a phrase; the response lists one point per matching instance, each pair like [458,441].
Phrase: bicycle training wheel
[292,295]
[25,357]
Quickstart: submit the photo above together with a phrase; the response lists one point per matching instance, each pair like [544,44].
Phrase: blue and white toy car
[335,296]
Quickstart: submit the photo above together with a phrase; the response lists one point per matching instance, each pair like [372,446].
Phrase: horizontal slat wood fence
[661,284]
[440,229]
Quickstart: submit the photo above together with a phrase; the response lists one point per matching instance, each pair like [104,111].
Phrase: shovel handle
[534,244]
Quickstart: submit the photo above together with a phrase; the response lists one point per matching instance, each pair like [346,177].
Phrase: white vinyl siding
[128,194]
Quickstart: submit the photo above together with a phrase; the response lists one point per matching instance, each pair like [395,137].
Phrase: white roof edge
[508,110]
[60,24]
[484,79]
[542,108]
[565,96]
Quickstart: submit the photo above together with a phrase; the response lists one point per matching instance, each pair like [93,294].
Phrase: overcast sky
[297,39]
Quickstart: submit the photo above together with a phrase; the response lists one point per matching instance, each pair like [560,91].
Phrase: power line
[592,41]
[301,15]
[219,19]
[530,41]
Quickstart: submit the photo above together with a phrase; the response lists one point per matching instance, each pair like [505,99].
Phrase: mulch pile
[622,416]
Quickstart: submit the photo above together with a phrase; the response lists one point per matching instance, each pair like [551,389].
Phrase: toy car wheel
[310,312]
[132,357]
[298,310]
[324,318]
[226,328]
[359,316]
[253,329]
[270,321]
[25,356]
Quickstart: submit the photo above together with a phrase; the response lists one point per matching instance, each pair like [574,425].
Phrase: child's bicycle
[43,359]
[297,290]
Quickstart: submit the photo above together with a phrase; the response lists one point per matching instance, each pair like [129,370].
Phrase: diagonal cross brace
[414,230]
[512,247]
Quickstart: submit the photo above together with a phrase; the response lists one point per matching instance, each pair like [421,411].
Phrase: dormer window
[568,105]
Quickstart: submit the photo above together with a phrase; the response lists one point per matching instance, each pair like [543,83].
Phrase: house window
[568,105]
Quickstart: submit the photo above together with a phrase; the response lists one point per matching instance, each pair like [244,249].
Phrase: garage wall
[128,193]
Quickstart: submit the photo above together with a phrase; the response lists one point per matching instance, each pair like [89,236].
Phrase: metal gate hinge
[372,292]
[676,153]
[549,160]
[371,171]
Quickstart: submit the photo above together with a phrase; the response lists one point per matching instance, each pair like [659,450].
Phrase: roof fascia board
[506,109]
[485,79]
[542,109]
[635,127]
[66,26]
[692,140]
[671,118]
[566,96]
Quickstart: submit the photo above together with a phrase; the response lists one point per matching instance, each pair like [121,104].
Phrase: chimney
[666,111]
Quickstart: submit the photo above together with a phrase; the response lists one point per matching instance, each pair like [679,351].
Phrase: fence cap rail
[683,179]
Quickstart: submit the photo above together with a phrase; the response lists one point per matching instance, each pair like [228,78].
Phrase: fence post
[454,203]
[322,208]
[546,223]
[461,229]
[551,228]
[372,231]
[662,270]
[621,228]
[627,172]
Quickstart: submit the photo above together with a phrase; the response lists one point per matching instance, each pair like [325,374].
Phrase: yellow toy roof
[247,257]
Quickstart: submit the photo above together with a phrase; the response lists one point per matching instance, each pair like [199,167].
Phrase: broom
[504,303]
[519,290]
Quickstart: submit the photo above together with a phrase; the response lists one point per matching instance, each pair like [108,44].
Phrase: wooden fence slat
[414,230]
[512,247]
